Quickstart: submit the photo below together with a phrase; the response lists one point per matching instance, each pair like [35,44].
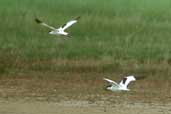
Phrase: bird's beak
[105,88]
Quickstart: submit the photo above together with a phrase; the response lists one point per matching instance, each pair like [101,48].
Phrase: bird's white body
[58,31]
[61,29]
[122,86]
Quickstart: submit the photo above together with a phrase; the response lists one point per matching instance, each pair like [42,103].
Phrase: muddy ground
[20,95]
[21,106]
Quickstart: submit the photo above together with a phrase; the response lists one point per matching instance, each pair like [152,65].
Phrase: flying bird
[122,86]
[61,29]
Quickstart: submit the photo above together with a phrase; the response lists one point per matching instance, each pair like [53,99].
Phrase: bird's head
[108,87]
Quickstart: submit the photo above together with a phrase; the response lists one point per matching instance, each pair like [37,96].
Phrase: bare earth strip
[80,107]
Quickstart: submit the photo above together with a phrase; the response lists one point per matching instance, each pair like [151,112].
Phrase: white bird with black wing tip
[122,86]
[61,29]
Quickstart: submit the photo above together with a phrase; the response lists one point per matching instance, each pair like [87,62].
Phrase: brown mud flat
[80,90]
[21,95]
[80,107]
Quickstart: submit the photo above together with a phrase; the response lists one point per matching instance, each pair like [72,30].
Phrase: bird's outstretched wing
[111,82]
[70,23]
[44,24]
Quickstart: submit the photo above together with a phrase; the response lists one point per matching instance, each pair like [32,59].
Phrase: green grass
[113,30]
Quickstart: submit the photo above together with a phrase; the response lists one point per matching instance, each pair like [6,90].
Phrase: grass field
[113,38]
[112,30]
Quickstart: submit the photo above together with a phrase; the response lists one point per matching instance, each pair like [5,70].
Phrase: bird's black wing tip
[77,18]
[38,21]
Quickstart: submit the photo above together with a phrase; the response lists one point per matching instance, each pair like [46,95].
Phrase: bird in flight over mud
[122,86]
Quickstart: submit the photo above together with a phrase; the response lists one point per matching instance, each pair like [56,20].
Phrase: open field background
[113,38]
[112,30]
